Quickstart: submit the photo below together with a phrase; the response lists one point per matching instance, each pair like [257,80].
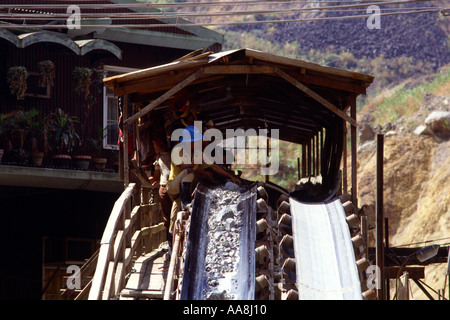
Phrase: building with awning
[62,210]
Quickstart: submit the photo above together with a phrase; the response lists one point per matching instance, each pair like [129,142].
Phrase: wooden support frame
[304,170]
[379,217]
[126,166]
[316,96]
[194,76]
[354,153]
[344,162]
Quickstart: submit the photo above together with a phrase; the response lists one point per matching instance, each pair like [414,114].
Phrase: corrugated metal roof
[192,31]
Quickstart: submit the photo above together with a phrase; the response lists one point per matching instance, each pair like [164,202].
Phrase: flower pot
[36,158]
[99,163]
[18,156]
[62,161]
[81,162]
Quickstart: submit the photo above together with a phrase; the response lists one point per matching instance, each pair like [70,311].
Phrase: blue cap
[194,134]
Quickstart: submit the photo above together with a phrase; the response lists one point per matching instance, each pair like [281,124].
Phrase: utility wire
[230,23]
[31,12]
[140,16]
[163,15]
[422,242]
[145,5]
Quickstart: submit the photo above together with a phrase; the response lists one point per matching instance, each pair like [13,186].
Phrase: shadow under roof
[245,89]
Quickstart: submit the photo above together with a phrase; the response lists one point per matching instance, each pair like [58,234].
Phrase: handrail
[113,247]
[85,271]
[133,228]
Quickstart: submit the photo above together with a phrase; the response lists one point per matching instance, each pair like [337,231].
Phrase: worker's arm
[156,176]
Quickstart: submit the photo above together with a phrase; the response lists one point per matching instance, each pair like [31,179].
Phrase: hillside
[417,171]
[424,37]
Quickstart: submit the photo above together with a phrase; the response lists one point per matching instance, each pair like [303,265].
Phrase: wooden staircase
[85,274]
[148,277]
[130,261]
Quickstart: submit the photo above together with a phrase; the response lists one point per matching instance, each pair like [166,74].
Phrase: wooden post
[344,162]
[386,245]
[303,160]
[447,272]
[379,217]
[309,159]
[316,139]
[354,157]
[267,154]
[126,169]
[322,133]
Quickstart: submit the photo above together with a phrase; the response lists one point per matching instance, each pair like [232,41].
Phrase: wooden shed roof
[248,89]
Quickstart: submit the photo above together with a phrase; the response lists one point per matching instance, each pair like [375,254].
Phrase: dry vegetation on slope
[416,177]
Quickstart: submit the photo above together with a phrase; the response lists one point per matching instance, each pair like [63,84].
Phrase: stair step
[151,294]
[75,290]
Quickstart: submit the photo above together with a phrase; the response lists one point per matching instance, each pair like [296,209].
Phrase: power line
[422,242]
[138,16]
[189,24]
[145,5]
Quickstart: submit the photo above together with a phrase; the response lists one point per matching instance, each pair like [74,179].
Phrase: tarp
[325,259]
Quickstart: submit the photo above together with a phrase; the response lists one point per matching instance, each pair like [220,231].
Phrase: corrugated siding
[63,93]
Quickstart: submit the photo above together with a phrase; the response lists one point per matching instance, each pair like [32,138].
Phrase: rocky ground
[416,176]
[421,36]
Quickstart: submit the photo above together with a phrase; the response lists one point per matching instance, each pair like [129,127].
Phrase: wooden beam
[315,96]
[267,57]
[398,256]
[239,69]
[414,272]
[118,80]
[331,83]
[197,74]
[154,84]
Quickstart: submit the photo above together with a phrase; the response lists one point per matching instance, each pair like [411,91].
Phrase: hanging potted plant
[17,80]
[82,77]
[62,137]
[46,73]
